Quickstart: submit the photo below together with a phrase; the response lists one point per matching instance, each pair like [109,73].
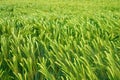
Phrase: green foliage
[59,40]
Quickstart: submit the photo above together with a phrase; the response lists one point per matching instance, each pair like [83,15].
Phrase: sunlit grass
[59,40]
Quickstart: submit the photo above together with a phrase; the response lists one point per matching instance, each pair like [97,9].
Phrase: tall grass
[55,40]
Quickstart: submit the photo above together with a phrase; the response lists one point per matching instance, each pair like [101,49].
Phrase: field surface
[59,39]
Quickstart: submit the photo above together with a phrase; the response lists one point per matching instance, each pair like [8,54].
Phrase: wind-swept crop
[59,40]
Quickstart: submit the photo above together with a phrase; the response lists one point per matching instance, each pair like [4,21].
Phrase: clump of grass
[54,43]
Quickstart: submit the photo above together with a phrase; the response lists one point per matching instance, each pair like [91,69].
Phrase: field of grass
[60,40]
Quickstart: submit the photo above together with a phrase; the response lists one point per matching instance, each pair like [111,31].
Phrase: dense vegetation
[60,40]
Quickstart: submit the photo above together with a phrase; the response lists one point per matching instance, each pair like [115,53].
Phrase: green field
[59,39]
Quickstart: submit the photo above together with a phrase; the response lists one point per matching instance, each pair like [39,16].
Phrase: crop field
[59,39]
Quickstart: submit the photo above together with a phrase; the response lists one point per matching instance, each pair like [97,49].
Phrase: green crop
[59,40]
